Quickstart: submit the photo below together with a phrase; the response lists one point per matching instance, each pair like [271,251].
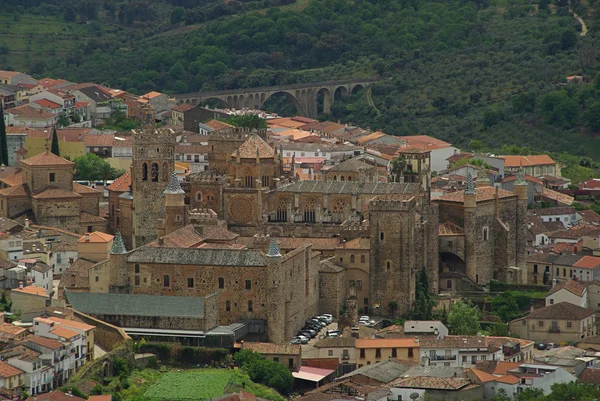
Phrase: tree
[265,371]
[54,146]
[91,167]
[473,162]
[393,307]
[398,165]
[475,145]
[568,40]
[505,306]
[251,121]
[63,121]
[70,13]
[523,103]
[592,117]
[423,306]
[463,319]
[3,141]
[177,15]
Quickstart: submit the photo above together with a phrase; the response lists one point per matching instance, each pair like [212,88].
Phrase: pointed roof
[521,177]
[122,183]
[254,145]
[274,251]
[174,188]
[470,190]
[47,159]
[118,247]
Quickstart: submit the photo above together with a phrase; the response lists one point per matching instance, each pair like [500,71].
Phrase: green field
[191,385]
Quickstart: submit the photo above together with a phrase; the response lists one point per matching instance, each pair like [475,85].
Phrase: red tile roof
[590,216]
[14,179]
[49,82]
[588,262]
[482,376]
[54,396]
[49,104]
[30,113]
[527,161]
[105,140]
[7,370]
[122,183]
[573,286]
[55,193]
[33,290]
[253,145]
[482,194]
[16,191]
[43,341]
[185,237]
[504,366]
[217,125]
[47,159]
[386,343]
[509,379]
[96,237]
[72,323]
[182,108]
[560,311]
[84,189]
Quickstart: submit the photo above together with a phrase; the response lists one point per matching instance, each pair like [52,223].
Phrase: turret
[470,211]
[175,209]
[119,274]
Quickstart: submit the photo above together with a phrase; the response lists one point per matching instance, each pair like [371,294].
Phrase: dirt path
[583,26]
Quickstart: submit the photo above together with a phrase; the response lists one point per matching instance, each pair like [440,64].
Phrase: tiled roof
[508,379]
[54,396]
[13,179]
[503,367]
[432,383]
[84,189]
[49,104]
[47,159]
[20,352]
[63,332]
[184,237]
[328,266]
[7,370]
[588,262]
[43,341]
[573,286]
[16,191]
[351,165]
[182,108]
[217,125]
[136,304]
[151,95]
[11,329]
[99,140]
[77,275]
[418,140]
[527,177]
[336,342]
[552,211]
[386,342]
[215,233]
[356,243]
[122,183]
[560,311]
[49,82]
[72,323]
[96,93]
[371,137]
[481,194]
[270,348]
[8,74]
[577,232]
[590,216]
[55,193]
[557,196]
[542,257]
[345,187]
[453,341]
[96,237]
[383,372]
[253,145]
[33,290]
[90,218]
[198,256]
[108,397]
[590,376]
[30,113]
[527,161]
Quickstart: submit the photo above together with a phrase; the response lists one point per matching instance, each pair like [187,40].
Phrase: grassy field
[31,38]
[191,385]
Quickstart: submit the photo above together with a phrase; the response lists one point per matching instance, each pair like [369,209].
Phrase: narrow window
[362,258]
[377,352]
[190,282]
[166,281]
[154,172]
[249,306]
[388,265]
[52,177]
[381,236]
[227,306]
[351,258]
[410,352]
[221,282]
[137,268]
[248,284]
[137,280]
[394,353]
[144,172]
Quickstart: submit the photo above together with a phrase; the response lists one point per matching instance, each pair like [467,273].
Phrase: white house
[41,275]
[342,348]
[27,116]
[425,327]
[62,256]
[12,246]
[566,215]
[38,377]
[572,291]
[457,351]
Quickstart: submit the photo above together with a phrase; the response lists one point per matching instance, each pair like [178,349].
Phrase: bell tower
[152,167]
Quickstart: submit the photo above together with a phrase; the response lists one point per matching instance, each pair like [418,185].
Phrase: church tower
[152,166]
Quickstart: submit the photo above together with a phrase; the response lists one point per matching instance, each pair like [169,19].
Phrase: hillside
[492,71]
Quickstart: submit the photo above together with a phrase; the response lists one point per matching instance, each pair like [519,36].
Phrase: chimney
[27,223]
[20,284]
[161,241]
[87,237]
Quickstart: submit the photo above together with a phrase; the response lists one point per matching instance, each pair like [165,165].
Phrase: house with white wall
[572,291]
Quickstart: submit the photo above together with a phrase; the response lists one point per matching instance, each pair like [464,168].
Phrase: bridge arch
[213,101]
[323,100]
[356,88]
[290,96]
[340,92]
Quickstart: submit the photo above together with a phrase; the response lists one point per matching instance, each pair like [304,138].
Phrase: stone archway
[323,100]
[295,101]
[216,101]
[340,92]
[357,88]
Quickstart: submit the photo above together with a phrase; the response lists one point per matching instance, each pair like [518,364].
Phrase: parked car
[328,316]
[296,340]
[299,340]
[541,346]
[550,346]
[311,331]
[333,335]
[330,332]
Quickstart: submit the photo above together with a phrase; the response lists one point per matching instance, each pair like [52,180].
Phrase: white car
[367,318]
[328,316]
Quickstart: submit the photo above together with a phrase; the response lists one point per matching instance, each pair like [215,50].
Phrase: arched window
[485,233]
[249,181]
[309,211]
[351,258]
[362,258]
[227,306]
[388,265]
[249,306]
[165,172]
[199,196]
[349,178]
[154,172]
[166,281]
[449,284]
[337,211]
[341,178]
[178,217]
[282,208]
[144,172]
[335,178]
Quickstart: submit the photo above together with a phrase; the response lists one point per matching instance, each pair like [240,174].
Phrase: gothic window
[144,172]
[282,208]
[154,172]
[351,258]
[485,233]
[249,306]
[337,211]
[335,178]
[309,211]
[341,178]
[349,178]
[199,196]
[166,281]
[265,180]
[249,181]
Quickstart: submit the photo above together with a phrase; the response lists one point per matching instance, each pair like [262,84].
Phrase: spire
[174,188]
[274,251]
[118,247]
[470,185]
[521,176]
[482,178]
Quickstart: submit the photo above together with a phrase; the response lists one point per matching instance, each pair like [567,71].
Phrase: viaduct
[303,96]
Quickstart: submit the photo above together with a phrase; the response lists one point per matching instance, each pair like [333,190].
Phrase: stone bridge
[303,96]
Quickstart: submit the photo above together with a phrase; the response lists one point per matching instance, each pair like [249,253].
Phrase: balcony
[554,330]
[345,357]
[443,358]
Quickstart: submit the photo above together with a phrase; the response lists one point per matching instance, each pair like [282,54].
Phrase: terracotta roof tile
[527,161]
[590,216]
[386,342]
[77,275]
[14,179]
[356,243]
[573,286]
[504,366]
[151,95]
[557,196]
[290,243]
[576,232]
[72,323]
[248,149]
[590,376]
[420,140]
[33,290]
[483,377]
[84,189]
[28,112]
[122,183]
[11,329]
[7,370]
[182,108]
[47,159]
[96,237]
[99,140]
[55,193]
[8,74]
[433,383]
[587,262]
[54,396]
[90,218]
[63,332]
[185,237]
[509,379]
[16,191]
[270,348]
[560,311]
[43,341]
[335,342]
[482,194]
[217,125]
[49,104]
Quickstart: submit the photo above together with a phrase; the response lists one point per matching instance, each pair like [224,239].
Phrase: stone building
[43,190]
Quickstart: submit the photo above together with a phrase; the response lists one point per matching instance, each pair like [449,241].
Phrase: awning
[312,374]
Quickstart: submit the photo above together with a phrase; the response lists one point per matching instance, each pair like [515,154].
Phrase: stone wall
[16,206]
[90,204]
[38,177]
[56,208]
[332,292]
[106,335]
[155,322]
[211,311]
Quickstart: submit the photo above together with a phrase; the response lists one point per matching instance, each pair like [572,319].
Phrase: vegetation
[265,371]
[463,319]
[560,392]
[91,167]
[190,385]
[54,146]
[247,121]
[423,306]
